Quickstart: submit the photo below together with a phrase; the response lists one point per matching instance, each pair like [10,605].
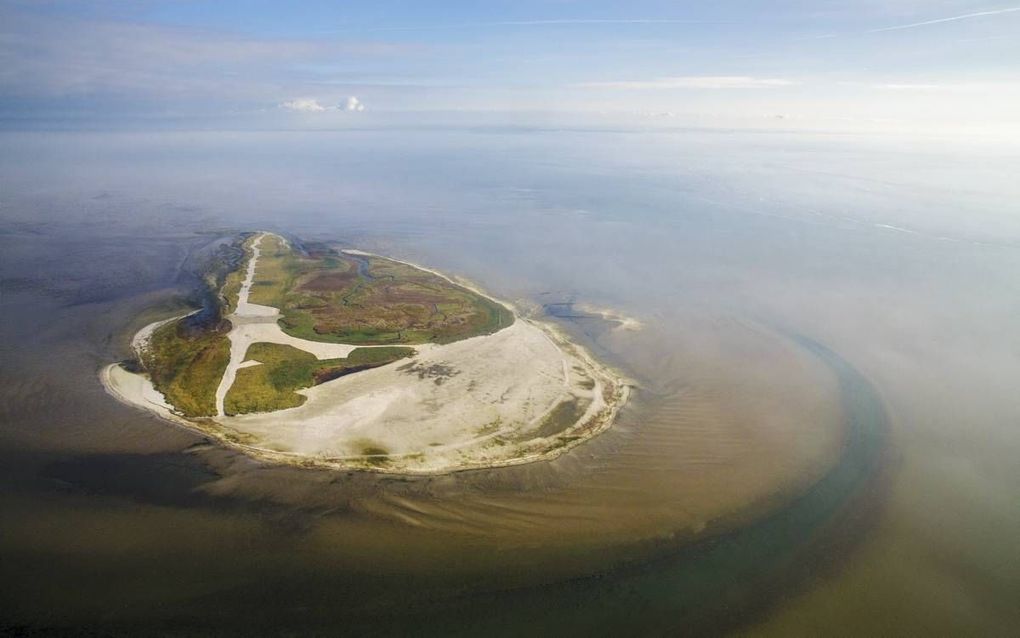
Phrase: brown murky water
[822,434]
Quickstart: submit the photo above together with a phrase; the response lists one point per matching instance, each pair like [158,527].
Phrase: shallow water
[822,435]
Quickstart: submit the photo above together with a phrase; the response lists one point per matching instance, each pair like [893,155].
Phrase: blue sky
[933,62]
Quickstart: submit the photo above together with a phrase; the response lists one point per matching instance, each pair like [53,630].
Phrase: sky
[942,65]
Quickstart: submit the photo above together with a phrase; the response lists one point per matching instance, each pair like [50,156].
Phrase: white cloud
[311,105]
[352,104]
[966,16]
[304,104]
[695,82]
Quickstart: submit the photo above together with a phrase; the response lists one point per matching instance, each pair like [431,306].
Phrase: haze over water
[826,371]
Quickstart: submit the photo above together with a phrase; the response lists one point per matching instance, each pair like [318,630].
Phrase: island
[317,356]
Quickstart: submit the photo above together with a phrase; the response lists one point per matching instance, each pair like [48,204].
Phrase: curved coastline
[693,574]
[610,391]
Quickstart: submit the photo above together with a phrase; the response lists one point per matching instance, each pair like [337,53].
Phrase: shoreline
[625,388]
[610,392]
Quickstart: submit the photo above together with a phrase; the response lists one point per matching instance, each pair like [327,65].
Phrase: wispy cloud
[304,104]
[965,16]
[311,105]
[694,82]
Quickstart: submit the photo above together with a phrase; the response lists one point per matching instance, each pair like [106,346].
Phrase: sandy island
[522,394]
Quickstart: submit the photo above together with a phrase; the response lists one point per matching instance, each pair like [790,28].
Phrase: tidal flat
[819,434]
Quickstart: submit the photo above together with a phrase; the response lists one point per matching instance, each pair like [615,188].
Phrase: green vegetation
[342,298]
[323,295]
[186,365]
[222,272]
[278,267]
[285,369]
[231,289]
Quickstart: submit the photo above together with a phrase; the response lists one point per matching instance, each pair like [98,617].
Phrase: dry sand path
[245,313]
[486,401]
[254,323]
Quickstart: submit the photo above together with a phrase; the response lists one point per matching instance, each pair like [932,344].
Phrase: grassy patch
[232,284]
[277,269]
[323,295]
[222,271]
[343,298]
[285,369]
[186,365]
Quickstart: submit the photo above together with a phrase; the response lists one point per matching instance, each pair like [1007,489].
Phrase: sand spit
[522,394]
[623,322]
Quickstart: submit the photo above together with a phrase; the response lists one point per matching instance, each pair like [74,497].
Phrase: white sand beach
[521,394]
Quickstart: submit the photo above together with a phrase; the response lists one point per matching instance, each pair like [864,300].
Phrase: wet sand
[725,247]
[482,402]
